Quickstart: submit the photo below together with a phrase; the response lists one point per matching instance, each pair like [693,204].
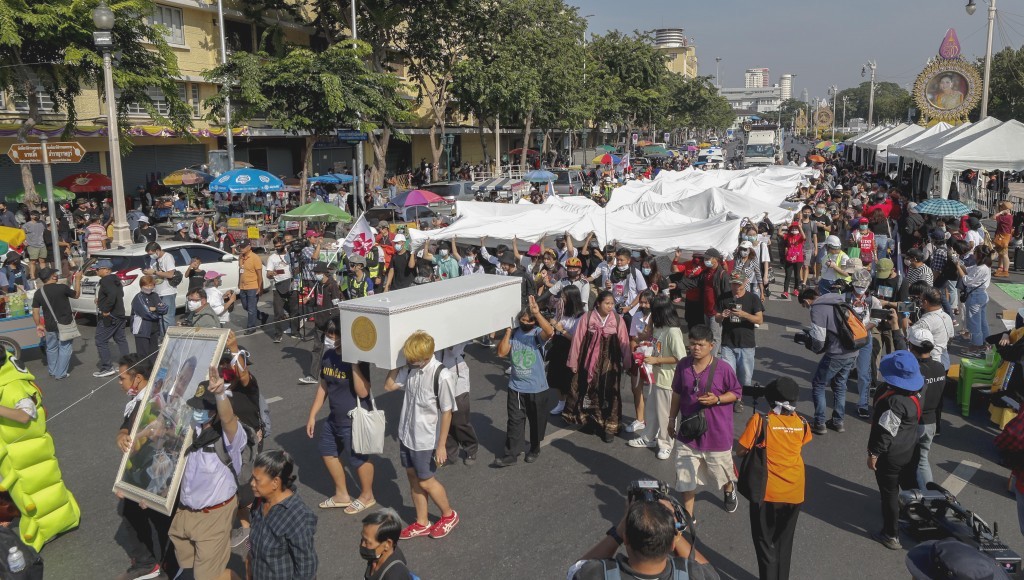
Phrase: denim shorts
[421,461]
[337,442]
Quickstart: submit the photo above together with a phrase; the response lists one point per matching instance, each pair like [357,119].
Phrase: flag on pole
[359,240]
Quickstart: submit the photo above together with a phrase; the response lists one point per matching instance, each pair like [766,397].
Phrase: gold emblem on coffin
[364,333]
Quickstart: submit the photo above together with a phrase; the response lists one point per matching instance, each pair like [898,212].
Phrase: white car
[129,261]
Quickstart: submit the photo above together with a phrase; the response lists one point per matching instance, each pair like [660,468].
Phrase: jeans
[865,360]
[883,243]
[250,298]
[107,328]
[58,355]
[925,434]
[835,372]
[825,286]
[716,331]
[742,361]
[977,322]
[171,310]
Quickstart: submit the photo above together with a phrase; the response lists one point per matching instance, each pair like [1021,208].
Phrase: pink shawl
[592,323]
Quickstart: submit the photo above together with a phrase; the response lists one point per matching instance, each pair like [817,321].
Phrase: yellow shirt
[250,272]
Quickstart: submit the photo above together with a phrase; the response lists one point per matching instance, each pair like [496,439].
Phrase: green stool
[973,372]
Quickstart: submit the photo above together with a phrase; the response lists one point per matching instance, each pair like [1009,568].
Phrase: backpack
[10,538]
[215,437]
[394,563]
[852,333]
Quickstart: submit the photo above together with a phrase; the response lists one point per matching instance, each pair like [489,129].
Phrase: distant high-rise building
[804,96]
[755,78]
[786,83]
[680,50]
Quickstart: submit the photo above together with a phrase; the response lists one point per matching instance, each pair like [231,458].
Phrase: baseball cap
[737,277]
[104,264]
[861,278]
[712,253]
[143,219]
[746,244]
[533,251]
[243,243]
[212,275]
[203,398]
[312,234]
[863,221]
[973,223]
[180,226]
[918,336]
[46,273]
[356,259]
[884,268]
[901,370]
[937,234]
[508,258]
[321,268]
[399,238]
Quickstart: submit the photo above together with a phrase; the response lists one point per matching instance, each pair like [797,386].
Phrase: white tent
[918,151]
[995,149]
[882,144]
[898,147]
[711,202]
[869,142]
[859,138]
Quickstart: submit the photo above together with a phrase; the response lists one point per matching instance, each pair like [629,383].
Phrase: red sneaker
[414,530]
[444,526]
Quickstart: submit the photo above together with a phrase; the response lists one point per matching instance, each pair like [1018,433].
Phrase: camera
[803,337]
[652,490]
[935,513]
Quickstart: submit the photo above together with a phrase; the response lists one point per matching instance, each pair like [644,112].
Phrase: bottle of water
[15,560]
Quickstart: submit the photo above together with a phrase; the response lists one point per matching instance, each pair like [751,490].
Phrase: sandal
[357,506]
[330,503]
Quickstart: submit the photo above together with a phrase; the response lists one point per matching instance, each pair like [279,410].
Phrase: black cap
[12,256]
[937,234]
[712,253]
[203,399]
[508,258]
[782,389]
[321,268]
[46,273]
[243,243]
[973,223]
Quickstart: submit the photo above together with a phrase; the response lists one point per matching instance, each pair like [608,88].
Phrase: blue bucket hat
[901,370]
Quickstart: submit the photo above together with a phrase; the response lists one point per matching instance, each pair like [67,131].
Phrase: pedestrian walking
[161,266]
[51,305]
[837,361]
[281,545]
[250,284]
[279,268]
[110,317]
[147,317]
[461,435]
[558,374]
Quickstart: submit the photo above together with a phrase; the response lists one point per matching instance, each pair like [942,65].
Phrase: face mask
[574,273]
[444,253]
[526,327]
[280,250]
[749,238]
[194,305]
[329,343]
[860,291]
[744,252]
[399,246]
[228,374]
[147,290]
[864,228]
[200,416]
[794,232]
[152,256]
[708,263]
[368,554]
[622,268]
[819,211]
[646,271]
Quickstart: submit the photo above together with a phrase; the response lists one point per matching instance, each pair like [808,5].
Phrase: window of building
[171,20]
[239,36]
[196,112]
[42,97]
[160,103]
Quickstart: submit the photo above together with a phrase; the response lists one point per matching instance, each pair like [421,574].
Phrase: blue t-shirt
[341,392]
[528,374]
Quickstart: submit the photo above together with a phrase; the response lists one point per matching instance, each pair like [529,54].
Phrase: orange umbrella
[816,158]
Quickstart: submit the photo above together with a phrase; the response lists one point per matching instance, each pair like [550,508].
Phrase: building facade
[756,78]
[680,51]
[759,100]
[786,84]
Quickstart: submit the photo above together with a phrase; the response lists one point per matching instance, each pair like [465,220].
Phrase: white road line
[560,434]
[793,329]
[274,399]
[957,481]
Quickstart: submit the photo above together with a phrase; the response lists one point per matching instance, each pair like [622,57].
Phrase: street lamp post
[103,18]
[971,7]
[718,82]
[449,140]
[871,95]
[229,139]
[835,93]
[845,99]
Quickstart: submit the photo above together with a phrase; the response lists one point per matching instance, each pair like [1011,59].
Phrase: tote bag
[65,332]
[753,470]
[367,429]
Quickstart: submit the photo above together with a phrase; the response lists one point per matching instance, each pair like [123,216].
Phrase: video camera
[935,513]
[803,337]
[652,490]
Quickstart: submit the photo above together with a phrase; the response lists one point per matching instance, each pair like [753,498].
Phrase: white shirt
[979,277]
[454,359]
[165,263]
[941,326]
[215,298]
[278,262]
[417,428]
[974,238]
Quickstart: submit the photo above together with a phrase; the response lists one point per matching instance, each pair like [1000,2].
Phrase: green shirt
[667,342]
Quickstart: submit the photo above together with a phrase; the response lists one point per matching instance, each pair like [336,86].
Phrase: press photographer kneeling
[652,534]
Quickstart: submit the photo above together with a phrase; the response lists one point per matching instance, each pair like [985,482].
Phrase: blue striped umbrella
[942,208]
[334,178]
[246,180]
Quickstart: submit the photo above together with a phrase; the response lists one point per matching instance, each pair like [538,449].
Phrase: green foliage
[1006,84]
[695,103]
[629,75]
[891,102]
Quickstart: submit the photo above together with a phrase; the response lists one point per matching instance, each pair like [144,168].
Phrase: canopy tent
[859,138]
[918,151]
[897,147]
[995,149]
[882,143]
[317,211]
[498,184]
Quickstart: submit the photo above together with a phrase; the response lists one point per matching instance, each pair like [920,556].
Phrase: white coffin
[374,328]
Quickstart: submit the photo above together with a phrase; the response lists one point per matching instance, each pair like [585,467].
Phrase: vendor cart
[17,329]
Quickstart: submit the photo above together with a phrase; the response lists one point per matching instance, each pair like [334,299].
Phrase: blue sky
[823,42]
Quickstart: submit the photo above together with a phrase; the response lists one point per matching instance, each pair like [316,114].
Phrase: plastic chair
[973,372]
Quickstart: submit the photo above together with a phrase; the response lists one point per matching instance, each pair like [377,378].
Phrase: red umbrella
[520,152]
[417,197]
[86,183]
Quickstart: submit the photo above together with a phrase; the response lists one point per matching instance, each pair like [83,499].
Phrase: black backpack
[33,561]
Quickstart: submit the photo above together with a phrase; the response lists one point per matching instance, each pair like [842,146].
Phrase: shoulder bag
[694,426]
[367,429]
[65,332]
[753,468]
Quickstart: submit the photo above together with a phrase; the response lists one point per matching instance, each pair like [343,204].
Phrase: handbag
[65,332]
[367,429]
[694,426]
[753,470]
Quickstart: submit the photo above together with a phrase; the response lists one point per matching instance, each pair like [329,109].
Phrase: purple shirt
[719,435]
[206,481]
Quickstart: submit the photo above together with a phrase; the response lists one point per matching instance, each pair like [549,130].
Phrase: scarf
[591,324]
[131,404]
[783,405]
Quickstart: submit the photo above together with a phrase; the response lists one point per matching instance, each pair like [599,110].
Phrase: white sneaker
[641,443]
[508,372]
[558,408]
[664,453]
[308,380]
[636,426]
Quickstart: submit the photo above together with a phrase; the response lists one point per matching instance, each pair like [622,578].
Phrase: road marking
[794,329]
[274,399]
[560,434]
[957,481]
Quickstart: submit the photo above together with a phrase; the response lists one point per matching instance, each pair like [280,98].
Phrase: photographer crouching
[651,532]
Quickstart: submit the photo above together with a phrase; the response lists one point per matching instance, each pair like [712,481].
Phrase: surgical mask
[864,227]
[399,246]
[368,554]
[152,256]
[200,416]
[646,271]
[280,249]
[708,263]
[749,238]
[819,211]
[329,343]
[147,290]
[622,268]
[860,291]
[444,253]
[573,273]
[194,305]
[526,327]
[794,232]
[744,252]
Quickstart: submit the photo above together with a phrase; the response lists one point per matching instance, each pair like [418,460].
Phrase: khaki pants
[202,541]
[658,402]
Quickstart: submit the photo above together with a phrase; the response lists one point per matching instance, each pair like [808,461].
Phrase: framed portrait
[947,90]
[152,467]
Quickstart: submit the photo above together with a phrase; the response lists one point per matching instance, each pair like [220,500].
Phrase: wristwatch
[614,535]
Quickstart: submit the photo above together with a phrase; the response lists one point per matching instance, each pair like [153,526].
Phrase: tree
[47,48]
[630,72]
[694,103]
[891,101]
[790,108]
[1006,84]
[310,92]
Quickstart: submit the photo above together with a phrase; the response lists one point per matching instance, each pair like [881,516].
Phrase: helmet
[573,263]
[833,242]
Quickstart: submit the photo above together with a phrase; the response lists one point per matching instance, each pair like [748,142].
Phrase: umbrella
[85,183]
[539,176]
[246,180]
[823,145]
[520,152]
[816,158]
[607,159]
[186,177]
[655,149]
[605,148]
[416,197]
[334,178]
[59,194]
[942,208]
[692,148]
[317,211]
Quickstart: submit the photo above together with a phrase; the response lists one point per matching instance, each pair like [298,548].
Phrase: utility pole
[835,93]
[228,137]
[845,99]
[971,7]
[718,82]
[358,174]
[871,96]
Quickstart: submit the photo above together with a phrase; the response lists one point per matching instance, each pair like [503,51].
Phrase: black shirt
[741,334]
[403,274]
[934,383]
[596,569]
[397,571]
[144,235]
[887,289]
[245,402]
[58,295]
[110,297]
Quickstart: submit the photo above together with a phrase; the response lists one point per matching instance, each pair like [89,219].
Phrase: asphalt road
[528,521]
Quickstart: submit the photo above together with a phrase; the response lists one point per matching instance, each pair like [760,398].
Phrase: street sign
[635,138]
[57,152]
[351,136]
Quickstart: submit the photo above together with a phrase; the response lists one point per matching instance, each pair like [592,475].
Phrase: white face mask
[444,253]
[623,268]
[744,252]
[860,291]
[194,305]
[329,343]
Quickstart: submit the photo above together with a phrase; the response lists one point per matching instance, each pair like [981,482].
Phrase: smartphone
[880,313]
